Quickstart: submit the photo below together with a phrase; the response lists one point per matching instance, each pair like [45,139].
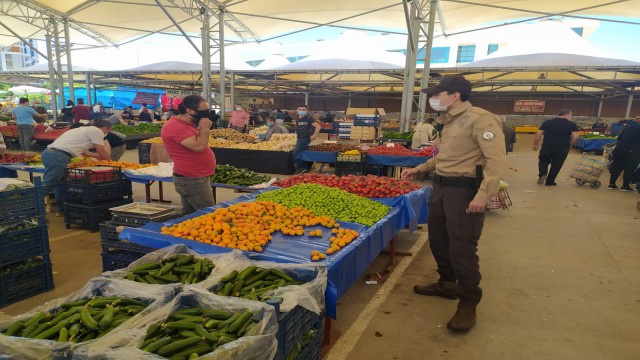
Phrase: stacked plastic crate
[25,267]
[90,193]
[119,253]
[350,164]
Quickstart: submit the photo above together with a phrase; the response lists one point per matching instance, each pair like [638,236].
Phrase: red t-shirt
[80,112]
[186,162]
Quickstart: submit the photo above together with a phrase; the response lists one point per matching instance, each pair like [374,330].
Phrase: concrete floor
[561,278]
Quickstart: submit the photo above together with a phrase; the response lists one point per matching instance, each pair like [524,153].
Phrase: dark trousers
[556,158]
[453,238]
[624,159]
[301,145]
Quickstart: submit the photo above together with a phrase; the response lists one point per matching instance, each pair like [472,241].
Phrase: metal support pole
[600,106]
[232,89]
[223,76]
[424,82]
[52,78]
[627,113]
[87,82]
[306,99]
[56,41]
[349,102]
[410,71]
[206,55]
[67,44]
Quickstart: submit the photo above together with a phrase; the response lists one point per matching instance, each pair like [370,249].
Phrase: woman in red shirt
[186,138]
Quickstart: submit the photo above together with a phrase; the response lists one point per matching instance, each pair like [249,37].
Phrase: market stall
[593,144]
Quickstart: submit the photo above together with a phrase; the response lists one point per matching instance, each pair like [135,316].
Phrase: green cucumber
[247,272]
[240,322]
[88,321]
[155,346]
[230,277]
[176,346]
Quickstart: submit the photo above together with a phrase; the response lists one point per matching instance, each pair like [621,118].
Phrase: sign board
[146,98]
[529,106]
[180,94]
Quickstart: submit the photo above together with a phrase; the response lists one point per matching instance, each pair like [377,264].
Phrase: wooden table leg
[392,253]
[31,177]
[147,191]
[331,335]
[213,190]
[161,194]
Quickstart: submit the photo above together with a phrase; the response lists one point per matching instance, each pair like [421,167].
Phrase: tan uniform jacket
[471,136]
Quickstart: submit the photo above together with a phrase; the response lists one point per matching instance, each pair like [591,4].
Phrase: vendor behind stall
[274,128]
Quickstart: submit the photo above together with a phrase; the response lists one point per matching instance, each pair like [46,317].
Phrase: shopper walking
[239,119]
[559,135]
[306,131]
[72,143]
[186,138]
[468,168]
[626,156]
[24,114]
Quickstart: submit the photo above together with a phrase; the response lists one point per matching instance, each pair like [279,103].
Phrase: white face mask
[302,113]
[238,108]
[436,104]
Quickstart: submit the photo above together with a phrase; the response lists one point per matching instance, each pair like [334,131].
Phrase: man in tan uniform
[468,168]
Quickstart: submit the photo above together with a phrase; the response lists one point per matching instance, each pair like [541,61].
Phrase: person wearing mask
[467,174]
[239,119]
[560,134]
[127,114]
[80,111]
[157,114]
[424,132]
[186,138]
[24,115]
[509,135]
[144,115]
[98,110]
[306,131]
[72,143]
[599,126]
[67,116]
[274,128]
[626,156]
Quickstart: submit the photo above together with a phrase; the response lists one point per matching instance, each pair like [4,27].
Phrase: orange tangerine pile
[248,226]
[341,238]
[123,165]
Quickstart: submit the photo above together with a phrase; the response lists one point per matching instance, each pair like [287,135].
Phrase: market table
[344,267]
[24,167]
[396,160]
[593,144]
[318,156]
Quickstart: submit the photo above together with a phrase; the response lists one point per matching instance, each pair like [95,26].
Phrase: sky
[614,38]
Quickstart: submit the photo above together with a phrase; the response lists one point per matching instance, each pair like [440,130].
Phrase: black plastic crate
[24,283]
[109,239]
[95,193]
[133,221]
[292,328]
[373,120]
[89,176]
[350,164]
[90,216]
[24,244]
[144,153]
[22,204]
[118,259]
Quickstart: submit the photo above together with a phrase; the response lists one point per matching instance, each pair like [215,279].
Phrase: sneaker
[445,289]
[612,187]
[550,184]
[626,188]
[541,179]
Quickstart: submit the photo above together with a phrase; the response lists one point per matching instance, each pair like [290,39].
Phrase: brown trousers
[453,238]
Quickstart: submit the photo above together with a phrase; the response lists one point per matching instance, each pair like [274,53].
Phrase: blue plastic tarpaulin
[115,98]
[344,267]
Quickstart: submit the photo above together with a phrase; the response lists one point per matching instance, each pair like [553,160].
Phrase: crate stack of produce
[342,129]
[90,192]
[25,267]
[350,162]
[118,253]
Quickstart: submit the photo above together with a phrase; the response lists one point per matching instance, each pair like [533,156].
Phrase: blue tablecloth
[24,167]
[344,267]
[396,160]
[592,144]
[317,156]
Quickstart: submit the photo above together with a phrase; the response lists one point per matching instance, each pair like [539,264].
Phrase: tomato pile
[395,150]
[426,151]
[12,131]
[248,226]
[370,186]
[9,131]
[17,157]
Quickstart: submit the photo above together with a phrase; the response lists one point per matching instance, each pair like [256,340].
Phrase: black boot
[464,318]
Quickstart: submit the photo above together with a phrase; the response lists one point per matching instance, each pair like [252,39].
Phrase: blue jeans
[301,145]
[25,135]
[55,164]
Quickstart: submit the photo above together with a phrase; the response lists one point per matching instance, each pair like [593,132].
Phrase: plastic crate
[292,328]
[373,120]
[118,259]
[93,175]
[94,193]
[22,204]
[109,239]
[90,216]
[350,164]
[312,350]
[24,244]
[144,153]
[132,221]
[25,283]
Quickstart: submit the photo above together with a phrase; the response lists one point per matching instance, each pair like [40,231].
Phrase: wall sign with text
[535,106]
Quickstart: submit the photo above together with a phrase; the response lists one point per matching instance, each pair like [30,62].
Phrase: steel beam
[426,70]
[67,44]
[56,42]
[221,100]
[52,78]
[206,57]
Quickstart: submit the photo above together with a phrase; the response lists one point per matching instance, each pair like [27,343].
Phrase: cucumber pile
[78,321]
[253,282]
[185,269]
[191,332]
[231,175]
